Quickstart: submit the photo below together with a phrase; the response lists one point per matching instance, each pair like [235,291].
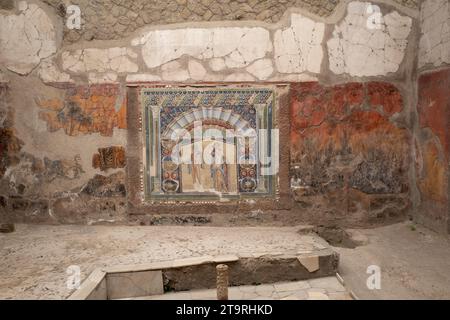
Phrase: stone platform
[36,258]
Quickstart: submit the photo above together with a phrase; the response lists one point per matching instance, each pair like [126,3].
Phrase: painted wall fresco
[109,158]
[432,149]
[85,110]
[433,105]
[10,145]
[36,188]
[348,159]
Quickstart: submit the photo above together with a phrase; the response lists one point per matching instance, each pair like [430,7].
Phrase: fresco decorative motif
[85,110]
[109,158]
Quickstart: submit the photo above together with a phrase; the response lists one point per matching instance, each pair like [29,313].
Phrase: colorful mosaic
[203,142]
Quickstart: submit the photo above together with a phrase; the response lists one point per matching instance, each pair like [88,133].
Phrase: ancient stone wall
[432,142]
[347,63]
[105,20]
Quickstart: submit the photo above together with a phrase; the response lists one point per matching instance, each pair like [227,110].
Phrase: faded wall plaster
[434,46]
[432,149]
[348,160]
[27,37]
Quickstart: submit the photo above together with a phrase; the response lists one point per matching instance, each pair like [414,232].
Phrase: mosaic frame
[153,100]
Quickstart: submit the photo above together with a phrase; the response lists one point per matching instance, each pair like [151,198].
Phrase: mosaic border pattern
[165,109]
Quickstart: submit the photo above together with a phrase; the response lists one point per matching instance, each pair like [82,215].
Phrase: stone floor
[328,288]
[414,261]
[35,257]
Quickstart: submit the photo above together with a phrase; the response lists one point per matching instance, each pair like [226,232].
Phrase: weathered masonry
[357,91]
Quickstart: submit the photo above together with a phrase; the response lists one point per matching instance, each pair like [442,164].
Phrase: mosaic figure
[218,110]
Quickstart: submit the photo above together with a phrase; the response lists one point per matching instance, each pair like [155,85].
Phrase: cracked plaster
[26,38]
[367,43]
[434,45]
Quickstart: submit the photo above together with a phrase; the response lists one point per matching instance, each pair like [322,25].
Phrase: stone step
[327,288]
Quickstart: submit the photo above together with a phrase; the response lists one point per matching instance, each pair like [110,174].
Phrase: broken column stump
[222,282]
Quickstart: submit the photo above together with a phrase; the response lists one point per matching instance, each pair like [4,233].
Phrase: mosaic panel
[207,142]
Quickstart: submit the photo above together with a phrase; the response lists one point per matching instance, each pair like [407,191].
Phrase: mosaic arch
[208,143]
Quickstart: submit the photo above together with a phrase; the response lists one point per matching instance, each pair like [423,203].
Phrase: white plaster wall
[368,43]
[26,37]
[434,45]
